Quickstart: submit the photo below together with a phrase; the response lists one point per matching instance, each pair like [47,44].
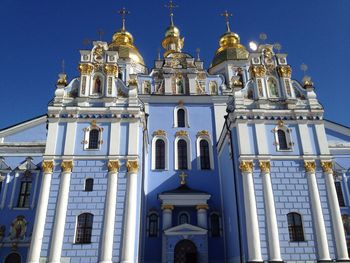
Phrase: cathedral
[177,163]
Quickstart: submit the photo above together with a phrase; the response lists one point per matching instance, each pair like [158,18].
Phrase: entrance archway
[185,252]
[13,258]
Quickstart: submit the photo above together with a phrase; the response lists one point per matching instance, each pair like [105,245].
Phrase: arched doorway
[13,258]
[185,252]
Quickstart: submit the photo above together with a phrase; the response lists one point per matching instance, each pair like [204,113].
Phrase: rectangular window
[339,193]
[24,194]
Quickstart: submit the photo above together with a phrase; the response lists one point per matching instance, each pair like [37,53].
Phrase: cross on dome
[183,178]
[171,7]
[227,16]
[123,13]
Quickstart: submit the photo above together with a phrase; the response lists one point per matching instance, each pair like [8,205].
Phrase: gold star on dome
[227,16]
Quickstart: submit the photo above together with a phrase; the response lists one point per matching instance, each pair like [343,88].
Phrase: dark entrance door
[185,252]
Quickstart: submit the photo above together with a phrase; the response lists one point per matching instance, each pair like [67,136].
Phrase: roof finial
[123,13]
[63,66]
[171,7]
[100,33]
[198,51]
[227,16]
[183,178]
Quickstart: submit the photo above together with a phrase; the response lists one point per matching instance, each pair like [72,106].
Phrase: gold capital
[285,71]
[113,166]
[86,68]
[310,166]
[202,206]
[327,166]
[132,166]
[67,166]
[181,133]
[203,133]
[265,166]
[47,166]
[111,70]
[258,71]
[246,166]
[159,133]
[167,207]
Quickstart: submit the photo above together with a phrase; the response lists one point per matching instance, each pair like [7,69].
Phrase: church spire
[171,7]
[123,13]
[227,16]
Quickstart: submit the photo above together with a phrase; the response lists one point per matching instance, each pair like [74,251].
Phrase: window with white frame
[205,159]
[160,151]
[283,140]
[182,153]
[180,117]
[295,227]
[23,200]
[93,137]
[84,228]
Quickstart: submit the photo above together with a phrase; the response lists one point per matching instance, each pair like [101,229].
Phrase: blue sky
[37,34]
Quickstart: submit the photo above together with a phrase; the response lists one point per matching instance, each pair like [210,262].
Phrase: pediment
[185,229]
[4,167]
[27,165]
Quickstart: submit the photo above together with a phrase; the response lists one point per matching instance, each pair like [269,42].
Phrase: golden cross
[171,7]
[183,178]
[123,13]
[227,16]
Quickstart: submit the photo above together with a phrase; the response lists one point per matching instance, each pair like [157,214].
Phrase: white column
[130,220]
[338,229]
[61,213]
[253,236]
[109,215]
[38,231]
[270,213]
[317,215]
[202,217]
[167,216]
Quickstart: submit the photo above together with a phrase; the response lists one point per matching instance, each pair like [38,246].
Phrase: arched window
[183,218]
[13,258]
[153,225]
[97,88]
[24,193]
[339,193]
[204,155]
[295,227]
[181,118]
[89,185]
[215,225]
[93,139]
[182,155]
[84,228]
[160,154]
[282,140]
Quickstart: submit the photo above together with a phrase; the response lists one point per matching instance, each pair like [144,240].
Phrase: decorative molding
[86,69]
[202,206]
[159,133]
[167,207]
[203,133]
[67,166]
[258,71]
[181,133]
[285,71]
[132,166]
[111,69]
[113,166]
[327,166]
[265,166]
[310,166]
[47,166]
[246,166]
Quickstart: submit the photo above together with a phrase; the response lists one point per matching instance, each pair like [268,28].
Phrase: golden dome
[123,42]
[172,31]
[172,42]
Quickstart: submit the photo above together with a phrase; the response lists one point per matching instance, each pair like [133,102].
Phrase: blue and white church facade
[177,163]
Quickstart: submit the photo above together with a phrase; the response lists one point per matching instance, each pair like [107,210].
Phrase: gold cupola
[172,41]
[123,42]
[230,47]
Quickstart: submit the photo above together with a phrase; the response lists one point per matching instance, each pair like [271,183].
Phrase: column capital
[310,166]
[47,166]
[67,166]
[113,166]
[246,166]
[132,166]
[202,206]
[265,166]
[167,207]
[327,166]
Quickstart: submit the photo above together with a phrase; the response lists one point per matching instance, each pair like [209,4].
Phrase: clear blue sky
[37,34]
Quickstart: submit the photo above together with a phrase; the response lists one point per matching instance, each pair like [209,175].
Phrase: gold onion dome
[230,47]
[123,43]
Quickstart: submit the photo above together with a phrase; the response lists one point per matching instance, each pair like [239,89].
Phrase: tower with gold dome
[177,163]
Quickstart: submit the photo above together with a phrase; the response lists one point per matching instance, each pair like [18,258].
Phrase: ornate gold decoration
[167,207]
[62,79]
[181,133]
[285,71]
[280,123]
[113,166]
[159,133]
[111,69]
[93,124]
[67,166]
[327,166]
[246,166]
[183,178]
[202,206]
[2,178]
[310,166]
[47,166]
[181,103]
[265,166]
[14,246]
[132,82]
[86,68]
[258,71]
[203,133]
[307,82]
[132,166]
